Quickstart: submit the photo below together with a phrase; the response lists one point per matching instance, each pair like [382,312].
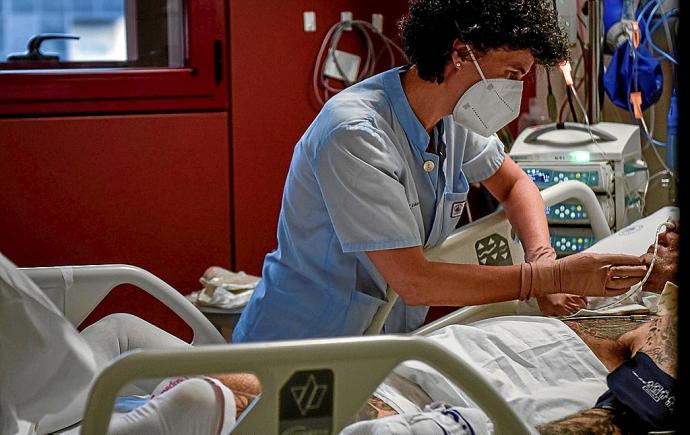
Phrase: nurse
[384,170]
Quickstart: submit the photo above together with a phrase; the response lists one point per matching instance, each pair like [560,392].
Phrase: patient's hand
[666,264]
[561,304]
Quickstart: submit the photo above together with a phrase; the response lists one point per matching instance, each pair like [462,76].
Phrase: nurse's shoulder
[361,111]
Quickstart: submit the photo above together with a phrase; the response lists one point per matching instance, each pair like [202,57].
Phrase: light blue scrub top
[357,183]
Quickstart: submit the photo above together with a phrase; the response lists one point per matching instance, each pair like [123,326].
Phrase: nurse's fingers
[627,271]
[621,259]
[621,283]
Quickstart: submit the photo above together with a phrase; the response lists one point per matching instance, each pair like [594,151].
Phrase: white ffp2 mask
[489,104]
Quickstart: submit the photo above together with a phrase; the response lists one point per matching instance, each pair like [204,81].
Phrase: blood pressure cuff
[641,396]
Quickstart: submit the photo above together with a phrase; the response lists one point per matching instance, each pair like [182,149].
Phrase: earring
[458,65]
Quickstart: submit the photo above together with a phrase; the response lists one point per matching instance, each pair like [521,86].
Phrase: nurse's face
[498,63]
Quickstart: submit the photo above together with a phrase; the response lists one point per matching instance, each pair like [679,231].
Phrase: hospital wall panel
[148,190]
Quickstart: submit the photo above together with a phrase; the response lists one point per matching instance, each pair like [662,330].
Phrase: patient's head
[666,264]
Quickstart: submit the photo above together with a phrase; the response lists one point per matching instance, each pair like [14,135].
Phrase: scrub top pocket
[360,313]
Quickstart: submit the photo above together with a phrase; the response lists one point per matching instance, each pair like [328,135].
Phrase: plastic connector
[567,71]
[635,27]
[636,101]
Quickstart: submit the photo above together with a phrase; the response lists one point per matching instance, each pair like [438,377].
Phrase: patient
[612,344]
[216,400]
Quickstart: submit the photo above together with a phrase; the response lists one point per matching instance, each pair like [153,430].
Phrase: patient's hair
[431,27]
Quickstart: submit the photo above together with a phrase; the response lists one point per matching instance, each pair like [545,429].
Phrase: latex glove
[556,304]
[561,304]
[583,274]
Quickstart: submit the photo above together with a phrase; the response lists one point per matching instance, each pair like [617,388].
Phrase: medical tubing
[638,287]
[648,36]
[656,152]
[644,23]
[672,132]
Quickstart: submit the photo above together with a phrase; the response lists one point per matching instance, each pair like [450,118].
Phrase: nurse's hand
[556,304]
[583,274]
[561,304]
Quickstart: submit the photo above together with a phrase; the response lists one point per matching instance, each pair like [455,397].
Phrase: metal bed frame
[363,362]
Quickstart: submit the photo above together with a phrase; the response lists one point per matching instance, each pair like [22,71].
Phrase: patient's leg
[116,334]
[193,407]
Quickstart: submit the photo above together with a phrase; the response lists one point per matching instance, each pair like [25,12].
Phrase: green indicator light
[579,156]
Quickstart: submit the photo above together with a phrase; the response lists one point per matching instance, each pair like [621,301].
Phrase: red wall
[148,190]
[272,61]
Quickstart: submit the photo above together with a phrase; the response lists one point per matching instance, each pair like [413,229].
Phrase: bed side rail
[77,290]
[460,248]
[357,366]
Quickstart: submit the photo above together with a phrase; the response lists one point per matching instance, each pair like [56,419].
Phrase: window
[112,33]
[131,56]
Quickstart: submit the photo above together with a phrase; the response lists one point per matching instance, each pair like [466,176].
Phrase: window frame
[199,84]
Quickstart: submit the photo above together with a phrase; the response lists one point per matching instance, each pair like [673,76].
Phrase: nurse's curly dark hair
[431,27]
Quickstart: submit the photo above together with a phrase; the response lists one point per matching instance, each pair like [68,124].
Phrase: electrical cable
[550,97]
[579,84]
[371,58]
[589,126]
[569,93]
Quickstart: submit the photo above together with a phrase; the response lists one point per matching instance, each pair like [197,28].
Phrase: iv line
[638,287]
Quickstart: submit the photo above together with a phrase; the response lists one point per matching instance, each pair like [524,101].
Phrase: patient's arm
[603,337]
[589,422]
[659,340]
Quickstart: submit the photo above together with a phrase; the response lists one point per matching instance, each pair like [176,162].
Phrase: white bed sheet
[542,368]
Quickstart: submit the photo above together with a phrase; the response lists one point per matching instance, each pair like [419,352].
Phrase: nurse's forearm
[523,204]
[525,210]
[419,281]
[467,284]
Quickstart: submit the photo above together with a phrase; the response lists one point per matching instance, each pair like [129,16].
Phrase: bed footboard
[317,384]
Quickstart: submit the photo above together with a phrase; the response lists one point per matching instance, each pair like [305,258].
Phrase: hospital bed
[349,368]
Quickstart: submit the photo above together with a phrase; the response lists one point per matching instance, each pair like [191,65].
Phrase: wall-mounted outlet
[346,17]
[377,22]
[309,21]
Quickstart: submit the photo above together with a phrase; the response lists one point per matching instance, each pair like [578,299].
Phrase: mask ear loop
[476,64]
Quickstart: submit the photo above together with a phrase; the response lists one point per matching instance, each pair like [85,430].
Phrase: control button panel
[573,213]
[597,177]
[566,245]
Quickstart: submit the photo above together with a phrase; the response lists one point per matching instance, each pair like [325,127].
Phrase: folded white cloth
[436,419]
[220,298]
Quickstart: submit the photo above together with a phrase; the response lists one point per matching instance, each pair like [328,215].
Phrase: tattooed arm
[589,422]
[659,340]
